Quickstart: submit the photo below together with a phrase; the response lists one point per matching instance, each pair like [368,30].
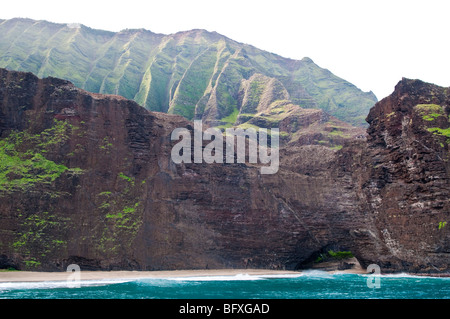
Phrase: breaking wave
[237,277]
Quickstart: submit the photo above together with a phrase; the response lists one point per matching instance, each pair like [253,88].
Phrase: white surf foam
[218,278]
[317,274]
[56,284]
[282,276]
[236,277]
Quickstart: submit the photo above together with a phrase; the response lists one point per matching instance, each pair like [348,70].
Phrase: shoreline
[36,277]
[31,276]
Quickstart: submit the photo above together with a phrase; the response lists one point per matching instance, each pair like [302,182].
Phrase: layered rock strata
[88,179]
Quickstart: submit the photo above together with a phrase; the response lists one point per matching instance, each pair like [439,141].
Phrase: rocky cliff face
[406,176]
[88,179]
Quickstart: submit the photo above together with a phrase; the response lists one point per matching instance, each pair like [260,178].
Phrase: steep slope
[196,74]
[407,176]
[88,179]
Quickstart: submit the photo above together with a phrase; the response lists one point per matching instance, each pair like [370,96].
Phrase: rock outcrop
[406,176]
[88,179]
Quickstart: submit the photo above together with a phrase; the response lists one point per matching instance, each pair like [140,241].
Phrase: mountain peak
[195,73]
[307,60]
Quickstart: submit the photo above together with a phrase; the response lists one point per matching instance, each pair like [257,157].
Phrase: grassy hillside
[197,74]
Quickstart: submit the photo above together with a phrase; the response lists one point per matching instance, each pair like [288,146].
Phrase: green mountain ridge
[197,74]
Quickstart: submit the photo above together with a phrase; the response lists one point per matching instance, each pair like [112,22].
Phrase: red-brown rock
[119,202]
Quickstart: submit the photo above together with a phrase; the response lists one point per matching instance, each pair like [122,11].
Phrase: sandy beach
[29,276]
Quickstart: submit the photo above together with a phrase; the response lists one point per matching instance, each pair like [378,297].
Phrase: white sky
[371,43]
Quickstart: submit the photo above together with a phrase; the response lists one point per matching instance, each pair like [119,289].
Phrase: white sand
[29,276]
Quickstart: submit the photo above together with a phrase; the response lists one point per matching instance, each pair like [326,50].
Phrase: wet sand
[29,276]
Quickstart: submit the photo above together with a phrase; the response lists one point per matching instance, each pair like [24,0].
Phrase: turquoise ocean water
[306,285]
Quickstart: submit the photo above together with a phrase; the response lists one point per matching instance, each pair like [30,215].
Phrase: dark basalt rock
[119,202]
[407,183]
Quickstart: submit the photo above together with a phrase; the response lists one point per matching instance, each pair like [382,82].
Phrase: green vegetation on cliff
[22,158]
[435,114]
[430,112]
[122,213]
[334,255]
[440,131]
[38,236]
